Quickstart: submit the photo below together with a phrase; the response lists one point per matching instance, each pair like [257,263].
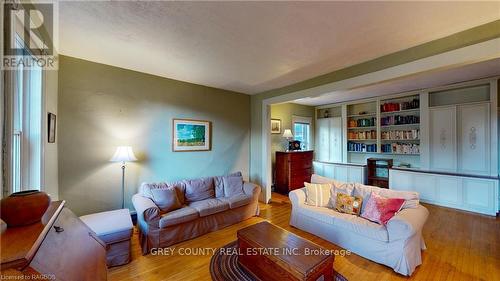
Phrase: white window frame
[25,181]
[304,120]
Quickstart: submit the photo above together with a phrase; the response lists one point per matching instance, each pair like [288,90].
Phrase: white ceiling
[416,82]
[251,47]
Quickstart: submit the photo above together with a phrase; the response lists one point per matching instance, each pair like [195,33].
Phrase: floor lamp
[123,154]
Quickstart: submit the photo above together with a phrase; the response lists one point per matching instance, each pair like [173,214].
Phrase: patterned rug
[225,267]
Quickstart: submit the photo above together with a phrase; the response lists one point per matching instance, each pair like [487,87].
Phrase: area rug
[225,267]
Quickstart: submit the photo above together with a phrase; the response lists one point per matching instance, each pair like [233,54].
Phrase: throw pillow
[219,183]
[317,195]
[233,185]
[348,204]
[380,209]
[199,189]
[344,188]
[166,199]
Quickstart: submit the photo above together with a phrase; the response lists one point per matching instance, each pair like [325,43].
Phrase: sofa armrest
[407,222]
[251,189]
[147,211]
[297,196]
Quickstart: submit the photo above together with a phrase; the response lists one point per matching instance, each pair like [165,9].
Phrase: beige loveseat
[195,218]
[397,245]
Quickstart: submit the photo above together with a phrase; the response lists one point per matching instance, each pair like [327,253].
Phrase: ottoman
[115,229]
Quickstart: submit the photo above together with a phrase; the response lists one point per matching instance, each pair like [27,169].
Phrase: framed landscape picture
[275,126]
[191,135]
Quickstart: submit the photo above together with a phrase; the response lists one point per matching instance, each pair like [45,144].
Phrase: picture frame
[51,127]
[275,126]
[191,135]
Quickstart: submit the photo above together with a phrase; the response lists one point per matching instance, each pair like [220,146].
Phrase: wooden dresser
[60,247]
[292,170]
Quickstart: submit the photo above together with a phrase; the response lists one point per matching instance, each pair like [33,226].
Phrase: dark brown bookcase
[378,171]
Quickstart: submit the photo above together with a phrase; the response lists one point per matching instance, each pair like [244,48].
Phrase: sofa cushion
[317,194]
[237,201]
[180,188]
[166,199]
[145,189]
[348,204]
[199,189]
[209,207]
[219,183]
[364,191]
[381,209]
[182,215]
[339,187]
[233,185]
[110,226]
[347,222]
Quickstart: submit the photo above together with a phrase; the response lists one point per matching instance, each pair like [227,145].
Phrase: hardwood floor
[460,246]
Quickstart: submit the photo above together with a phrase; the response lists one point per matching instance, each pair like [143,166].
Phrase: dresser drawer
[298,181]
[301,172]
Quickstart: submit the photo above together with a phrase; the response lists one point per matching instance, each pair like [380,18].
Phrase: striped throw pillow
[317,195]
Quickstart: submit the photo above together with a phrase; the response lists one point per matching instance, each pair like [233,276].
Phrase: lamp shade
[123,154]
[287,133]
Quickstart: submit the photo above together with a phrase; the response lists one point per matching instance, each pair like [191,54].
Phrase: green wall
[459,40]
[101,107]
[284,112]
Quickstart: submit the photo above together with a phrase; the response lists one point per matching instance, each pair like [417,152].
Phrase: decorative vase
[23,208]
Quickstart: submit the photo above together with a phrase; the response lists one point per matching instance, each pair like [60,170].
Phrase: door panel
[479,194]
[336,139]
[328,170]
[449,190]
[474,139]
[322,139]
[341,173]
[355,174]
[426,186]
[442,138]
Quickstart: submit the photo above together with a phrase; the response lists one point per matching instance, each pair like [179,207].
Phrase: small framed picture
[191,135]
[275,126]
[51,127]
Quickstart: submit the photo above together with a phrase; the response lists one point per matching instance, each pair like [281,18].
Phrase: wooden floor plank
[460,246]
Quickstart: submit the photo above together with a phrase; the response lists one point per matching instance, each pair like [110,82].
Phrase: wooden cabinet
[460,138]
[60,247]
[470,193]
[329,139]
[293,169]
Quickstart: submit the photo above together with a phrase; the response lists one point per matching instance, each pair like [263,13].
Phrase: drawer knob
[58,229]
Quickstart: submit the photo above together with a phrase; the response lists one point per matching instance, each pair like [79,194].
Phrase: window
[302,131]
[26,123]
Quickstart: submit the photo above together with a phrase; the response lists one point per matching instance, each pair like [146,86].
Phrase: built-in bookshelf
[362,128]
[400,126]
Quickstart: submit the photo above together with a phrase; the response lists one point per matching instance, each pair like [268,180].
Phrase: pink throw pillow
[380,209]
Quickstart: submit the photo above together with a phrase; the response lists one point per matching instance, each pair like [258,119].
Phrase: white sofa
[398,245]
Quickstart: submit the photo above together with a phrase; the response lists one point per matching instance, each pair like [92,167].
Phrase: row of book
[361,147]
[401,135]
[399,120]
[392,106]
[401,148]
[365,122]
[362,135]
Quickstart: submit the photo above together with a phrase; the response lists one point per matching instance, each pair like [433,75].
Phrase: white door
[336,139]
[425,185]
[474,138]
[322,148]
[442,138]
[479,195]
